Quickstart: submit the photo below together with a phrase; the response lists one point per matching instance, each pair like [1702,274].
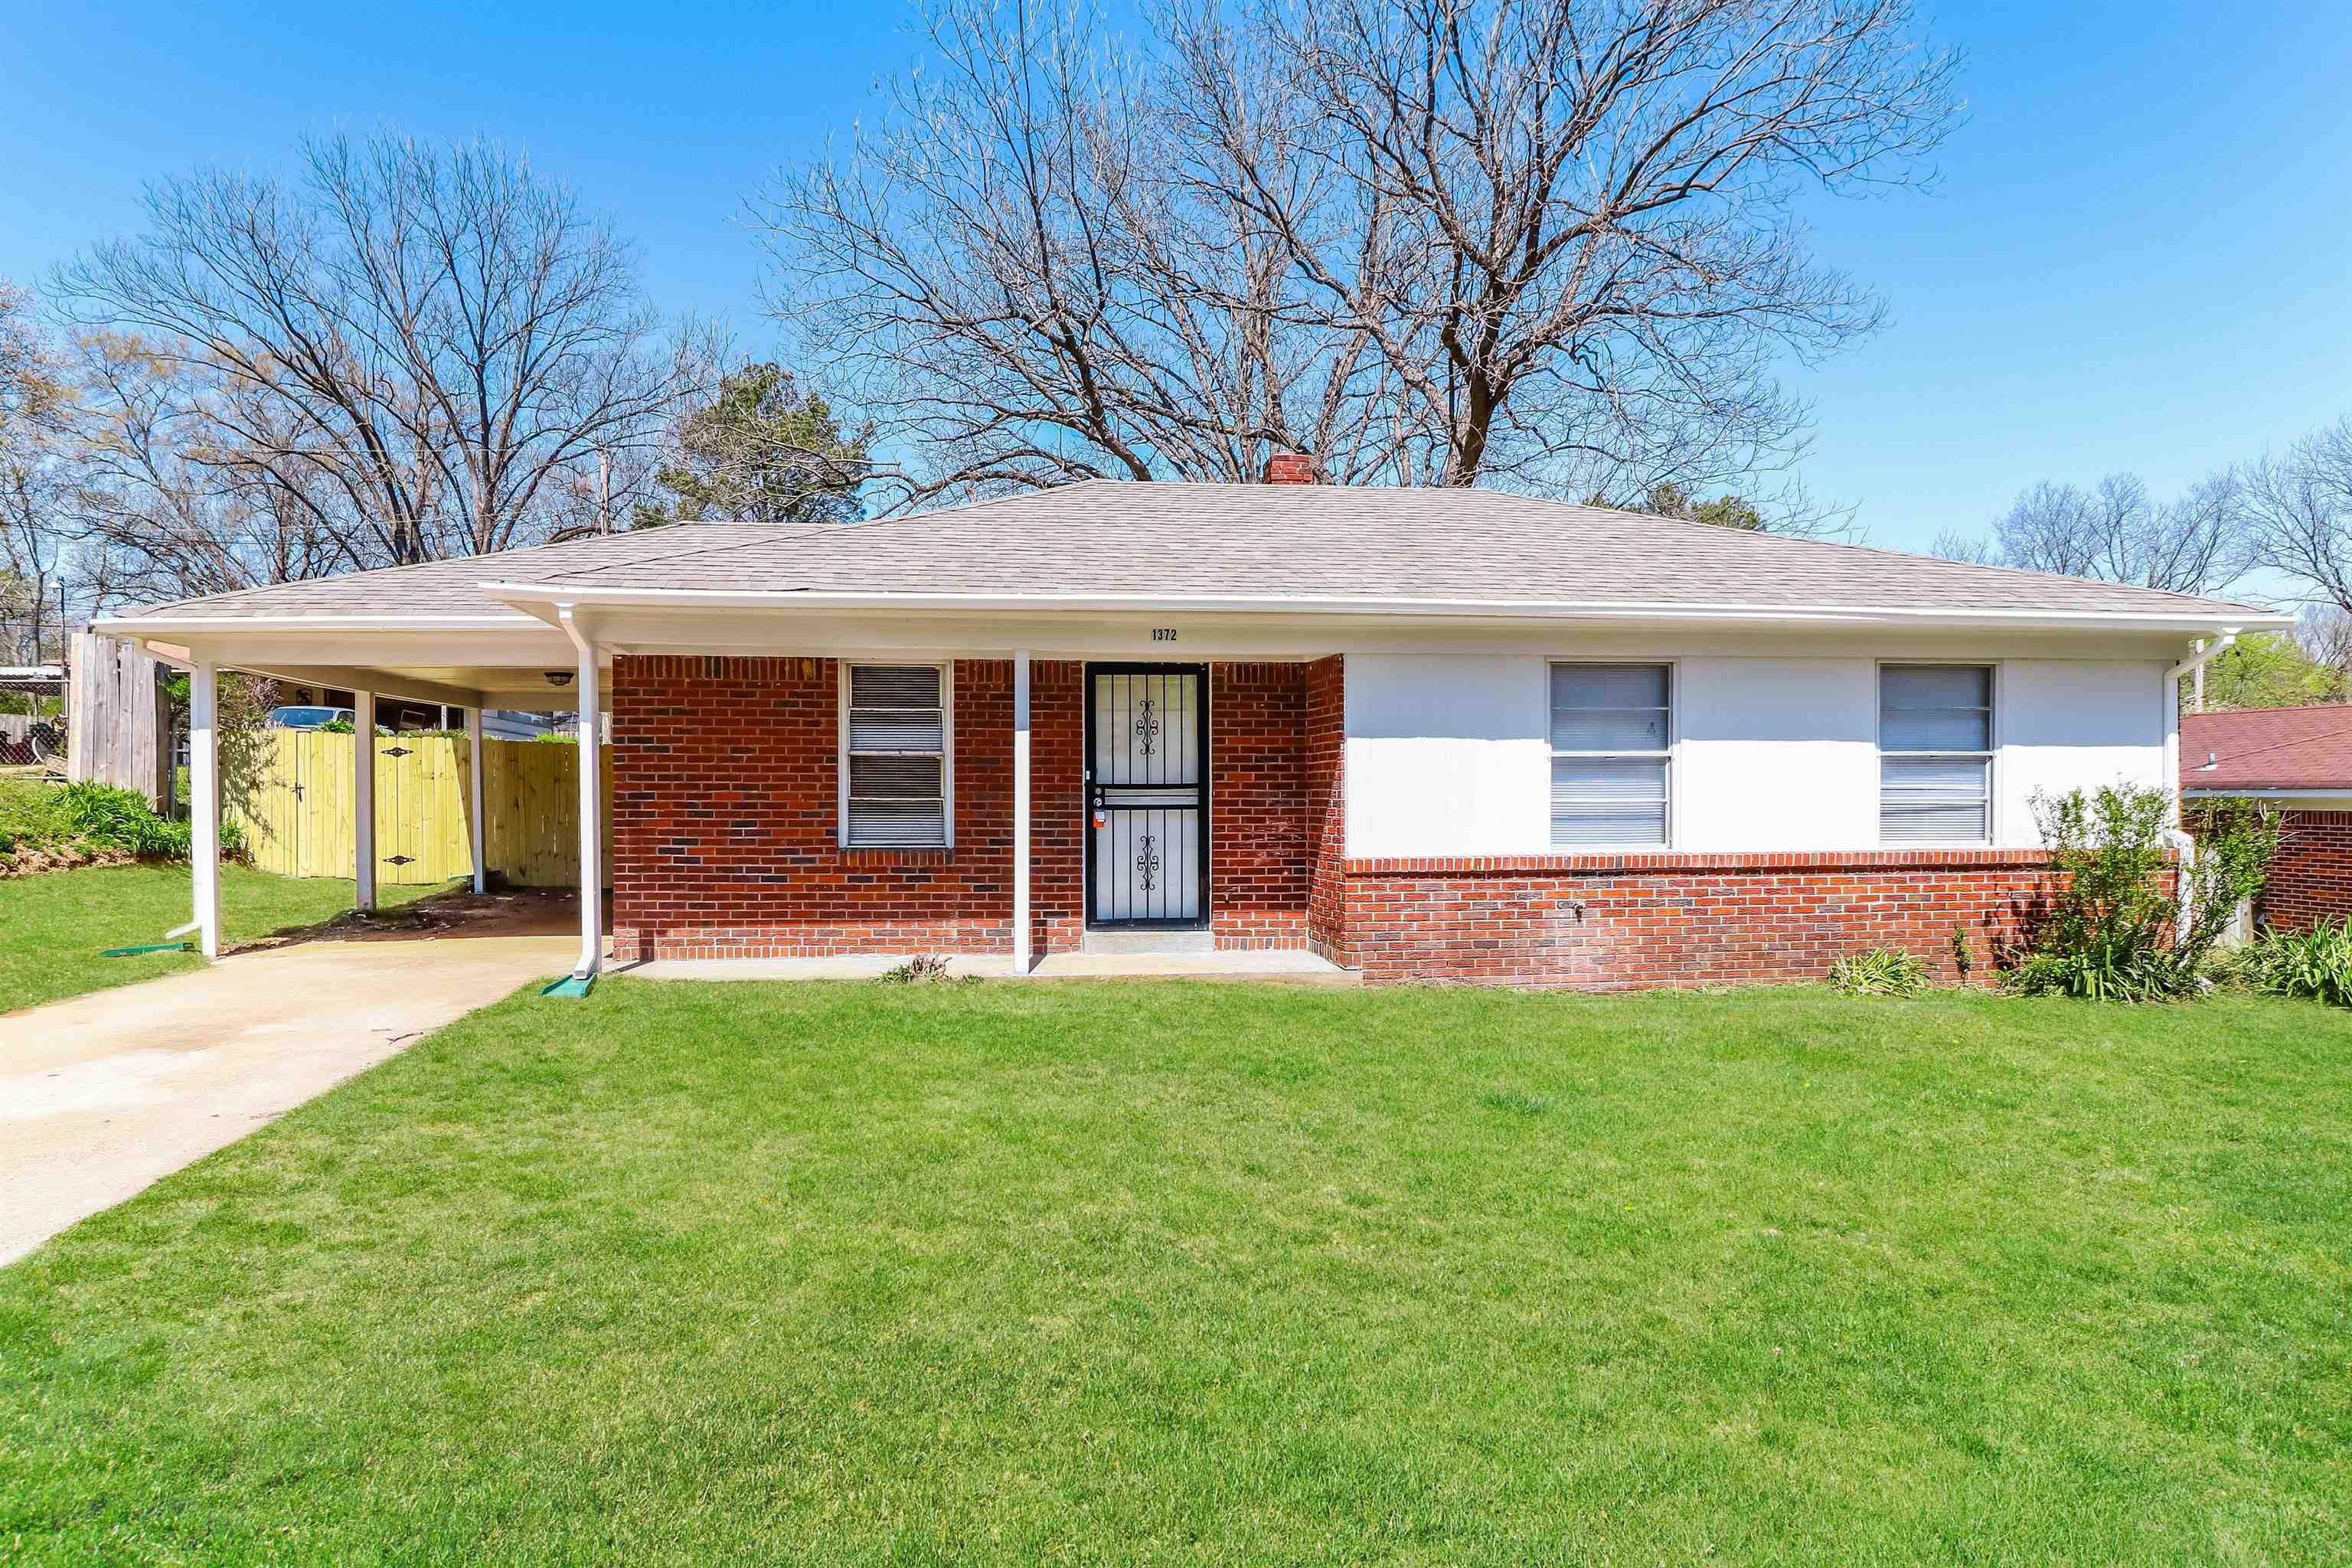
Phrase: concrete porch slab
[1295,966]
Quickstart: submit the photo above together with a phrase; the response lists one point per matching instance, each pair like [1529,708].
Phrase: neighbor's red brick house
[2298,760]
[1426,735]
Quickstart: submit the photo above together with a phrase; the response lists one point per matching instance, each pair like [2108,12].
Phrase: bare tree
[2116,530]
[1531,242]
[415,342]
[1013,278]
[2298,509]
[162,510]
[32,449]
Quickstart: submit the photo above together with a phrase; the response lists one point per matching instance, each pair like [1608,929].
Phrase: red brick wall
[1324,759]
[2312,878]
[725,814]
[1257,806]
[724,817]
[1057,805]
[1608,922]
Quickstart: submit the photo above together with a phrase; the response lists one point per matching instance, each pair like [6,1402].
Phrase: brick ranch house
[2299,761]
[1427,734]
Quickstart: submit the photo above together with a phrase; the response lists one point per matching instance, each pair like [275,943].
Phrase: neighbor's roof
[2268,749]
[1235,546]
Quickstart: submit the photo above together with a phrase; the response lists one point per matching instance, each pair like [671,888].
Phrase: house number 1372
[1163,634]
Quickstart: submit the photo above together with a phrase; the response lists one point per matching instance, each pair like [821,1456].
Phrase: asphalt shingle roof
[1201,541]
[2268,747]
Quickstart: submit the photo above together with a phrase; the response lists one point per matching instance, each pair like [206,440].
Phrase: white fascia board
[531,596]
[218,626]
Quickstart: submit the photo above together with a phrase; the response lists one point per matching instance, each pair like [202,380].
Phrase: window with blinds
[1611,737]
[895,757]
[1935,754]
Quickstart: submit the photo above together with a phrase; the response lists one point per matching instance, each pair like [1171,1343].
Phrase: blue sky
[2136,259]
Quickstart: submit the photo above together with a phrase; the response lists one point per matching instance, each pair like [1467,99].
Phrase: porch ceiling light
[559,678]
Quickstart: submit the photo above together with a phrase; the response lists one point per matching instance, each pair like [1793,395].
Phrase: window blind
[1612,731]
[894,749]
[1935,745]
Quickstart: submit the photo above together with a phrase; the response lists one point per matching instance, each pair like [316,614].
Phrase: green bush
[2315,963]
[2110,930]
[1880,972]
[109,817]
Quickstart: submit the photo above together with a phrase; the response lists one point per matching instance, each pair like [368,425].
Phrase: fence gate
[298,817]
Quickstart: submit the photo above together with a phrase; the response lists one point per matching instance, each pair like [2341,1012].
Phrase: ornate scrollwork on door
[1147,724]
[1147,863]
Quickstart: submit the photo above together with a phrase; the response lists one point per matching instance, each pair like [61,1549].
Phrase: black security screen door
[1148,795]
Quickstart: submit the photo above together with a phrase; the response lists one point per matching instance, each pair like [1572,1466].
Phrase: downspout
[2202,654]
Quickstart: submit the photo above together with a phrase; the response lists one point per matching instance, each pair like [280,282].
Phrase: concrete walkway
[103,1094]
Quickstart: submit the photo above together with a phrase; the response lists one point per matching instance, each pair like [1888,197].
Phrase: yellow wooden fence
[298,819]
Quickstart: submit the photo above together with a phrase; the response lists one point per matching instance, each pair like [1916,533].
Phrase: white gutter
[815,599]
[157,626]
[2333,796]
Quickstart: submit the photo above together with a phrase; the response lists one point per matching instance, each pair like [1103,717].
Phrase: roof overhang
[539,599]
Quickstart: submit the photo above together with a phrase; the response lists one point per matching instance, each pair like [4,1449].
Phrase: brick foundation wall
[1606,922]
[2310,879]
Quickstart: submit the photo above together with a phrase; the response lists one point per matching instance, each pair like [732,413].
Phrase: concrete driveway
[100,1095]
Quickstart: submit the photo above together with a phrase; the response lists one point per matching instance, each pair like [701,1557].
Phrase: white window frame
[1991,754]
[946,667]
[1673,755]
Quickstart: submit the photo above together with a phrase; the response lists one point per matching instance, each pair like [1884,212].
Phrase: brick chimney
[1290,468]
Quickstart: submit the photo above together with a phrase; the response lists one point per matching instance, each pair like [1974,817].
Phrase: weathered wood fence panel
[117,718]
[300,823]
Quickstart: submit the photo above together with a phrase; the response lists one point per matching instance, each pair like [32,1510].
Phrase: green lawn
[53,926]
[1187,1273]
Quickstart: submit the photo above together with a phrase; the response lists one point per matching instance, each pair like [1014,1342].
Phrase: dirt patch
[32,859]
[458,914]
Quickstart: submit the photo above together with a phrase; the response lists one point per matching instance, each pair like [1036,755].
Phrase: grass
[53,926]
[32,809]
[1177,1273]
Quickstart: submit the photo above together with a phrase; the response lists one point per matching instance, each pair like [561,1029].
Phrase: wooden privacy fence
[117,718]
[298,819]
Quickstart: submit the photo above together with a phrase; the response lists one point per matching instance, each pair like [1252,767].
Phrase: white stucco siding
[2067,723]
[1776,754]
[1449,754]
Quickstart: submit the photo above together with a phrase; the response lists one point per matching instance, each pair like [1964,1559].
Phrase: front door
[1148,795]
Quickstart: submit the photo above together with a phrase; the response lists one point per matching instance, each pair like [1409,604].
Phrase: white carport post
[363,798]
[1020,811]
[474,788]
[592,806]
[204,807]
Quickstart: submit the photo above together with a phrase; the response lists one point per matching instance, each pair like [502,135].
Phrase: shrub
[2110,930]
[113,818]
[1880,972]
[2315,963]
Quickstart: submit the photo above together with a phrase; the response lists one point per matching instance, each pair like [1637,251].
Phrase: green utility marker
[570,985]
[152,947]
